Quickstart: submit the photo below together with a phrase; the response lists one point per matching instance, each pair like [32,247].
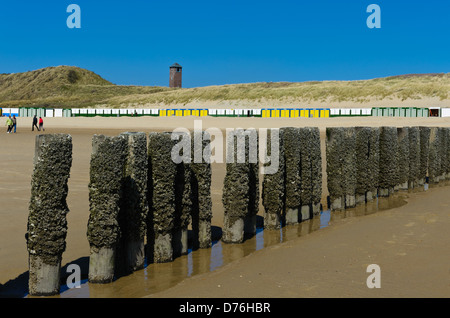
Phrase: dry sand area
[410,242]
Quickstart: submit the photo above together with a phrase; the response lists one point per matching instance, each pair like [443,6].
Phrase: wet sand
[410,243]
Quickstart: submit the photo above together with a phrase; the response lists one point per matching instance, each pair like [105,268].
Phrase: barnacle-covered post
[362,163]
[235,190]
[181,155]
[306,177]
[133,204]
[443,149]
[447,152]
[341,167]
[200,174]
[424,153]
[414,157]
[316,170]
[388,178]
[434,156]
[310,172]
[252,157]
[334,138]
[374,163]
[273,187]
[160,222]
[47,224]
[105,192]
[349,168]
[292,158]
[403,157]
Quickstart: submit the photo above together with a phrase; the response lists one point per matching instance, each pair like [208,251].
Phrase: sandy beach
[409,240]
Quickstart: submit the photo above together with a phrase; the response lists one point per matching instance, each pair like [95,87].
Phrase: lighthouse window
[178,69]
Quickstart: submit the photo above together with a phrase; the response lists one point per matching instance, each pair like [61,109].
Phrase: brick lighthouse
[175,75]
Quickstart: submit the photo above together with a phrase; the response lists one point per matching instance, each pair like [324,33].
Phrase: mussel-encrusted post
[47,224]
[105,191]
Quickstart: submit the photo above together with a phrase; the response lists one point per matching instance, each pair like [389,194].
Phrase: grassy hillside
[408,87]
[62,86]
[66,86]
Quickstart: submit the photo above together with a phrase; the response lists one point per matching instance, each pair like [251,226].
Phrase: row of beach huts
[265,112]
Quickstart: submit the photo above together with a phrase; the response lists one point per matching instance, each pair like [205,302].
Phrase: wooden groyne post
[105,191]
[47,224]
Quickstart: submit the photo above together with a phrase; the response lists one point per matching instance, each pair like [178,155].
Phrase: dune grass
[403,88]
[66,86]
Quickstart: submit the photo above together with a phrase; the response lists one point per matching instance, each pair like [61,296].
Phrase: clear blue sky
[224,42]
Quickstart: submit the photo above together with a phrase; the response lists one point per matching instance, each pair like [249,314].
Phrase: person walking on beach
[14,120]
[35,121]
[9,123]
[41,124]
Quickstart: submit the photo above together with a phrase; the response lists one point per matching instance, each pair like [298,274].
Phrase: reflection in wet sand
[158,277]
